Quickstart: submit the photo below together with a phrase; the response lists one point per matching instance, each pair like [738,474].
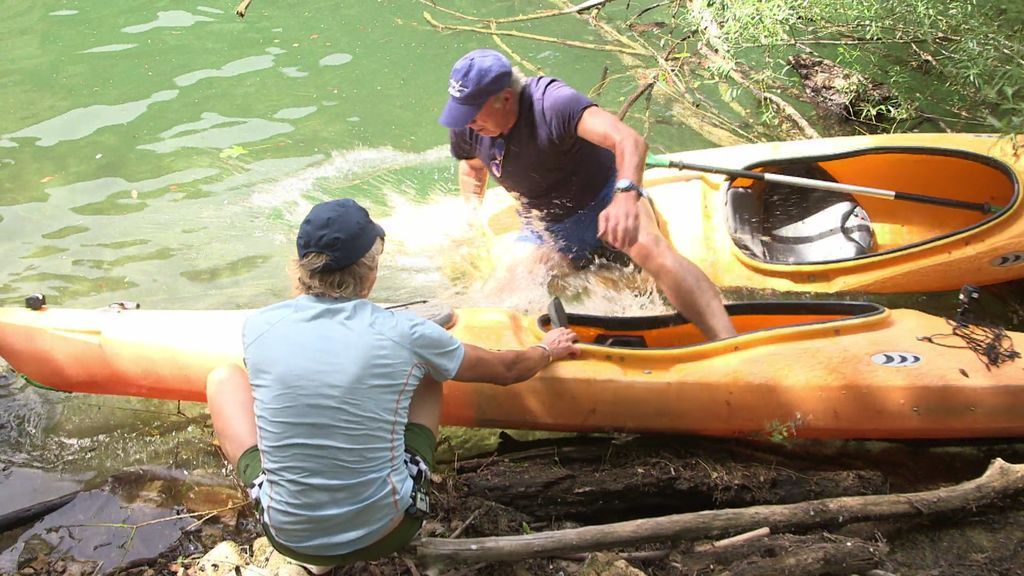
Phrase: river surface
[164,153]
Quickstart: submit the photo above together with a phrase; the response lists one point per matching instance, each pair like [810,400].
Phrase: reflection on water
[109,48]
[236,68]
[135,515]
[82,122]
[169,19]
[205,133]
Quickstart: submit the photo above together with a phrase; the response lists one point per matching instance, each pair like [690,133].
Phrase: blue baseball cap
[475,77]
[341,229]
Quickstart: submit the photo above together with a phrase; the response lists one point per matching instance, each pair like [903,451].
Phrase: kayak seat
[779,223]
[621,340]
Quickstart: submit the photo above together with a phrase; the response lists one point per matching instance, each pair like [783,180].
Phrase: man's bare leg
[685,285]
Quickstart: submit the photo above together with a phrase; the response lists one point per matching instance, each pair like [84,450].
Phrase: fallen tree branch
[798,558]
[999,481]
[516,57]
[573,43]
[242,7]
[702,119]
[524,17]
[761,532]
[22,516]
[640,91]
[716,50]
[776,101]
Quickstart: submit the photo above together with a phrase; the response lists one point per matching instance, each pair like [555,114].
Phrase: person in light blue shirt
[332,422]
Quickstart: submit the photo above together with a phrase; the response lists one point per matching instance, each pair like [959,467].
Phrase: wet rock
[99,526]
[223,560]
[79,568]
[262,551]
[229,559]
[222,501]
[35,549]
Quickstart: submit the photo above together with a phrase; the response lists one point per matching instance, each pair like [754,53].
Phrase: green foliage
[962,61]
[779,432]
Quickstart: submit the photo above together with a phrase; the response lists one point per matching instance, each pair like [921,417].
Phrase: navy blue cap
[341,229]
[475,77]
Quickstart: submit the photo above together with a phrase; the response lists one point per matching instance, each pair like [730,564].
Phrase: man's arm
[618,224]
[505,367]
[472,178]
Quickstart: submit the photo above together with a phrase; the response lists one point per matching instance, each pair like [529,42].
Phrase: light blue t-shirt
[332,381]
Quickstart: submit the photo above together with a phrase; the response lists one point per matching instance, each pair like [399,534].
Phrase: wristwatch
[627,185]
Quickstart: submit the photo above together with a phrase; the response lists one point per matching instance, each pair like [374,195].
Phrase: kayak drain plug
[35,301]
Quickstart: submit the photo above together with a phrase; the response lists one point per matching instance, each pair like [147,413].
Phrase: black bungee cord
[988,341]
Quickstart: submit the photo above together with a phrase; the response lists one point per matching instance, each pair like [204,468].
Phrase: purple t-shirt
[552,170]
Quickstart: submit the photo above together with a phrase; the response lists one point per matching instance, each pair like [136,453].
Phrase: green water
[164,153]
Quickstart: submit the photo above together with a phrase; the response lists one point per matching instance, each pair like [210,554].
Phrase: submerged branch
[524,17]
[242,7]
[715,49]
[643,89]
[573,43]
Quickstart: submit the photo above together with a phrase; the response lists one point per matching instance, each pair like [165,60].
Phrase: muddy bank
[554,484]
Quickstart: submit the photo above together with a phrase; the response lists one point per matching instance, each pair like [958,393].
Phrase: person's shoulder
[553,94]
[542,85]
[264,319]
[273,310]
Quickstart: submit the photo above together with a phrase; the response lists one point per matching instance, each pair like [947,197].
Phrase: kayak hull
[815,375]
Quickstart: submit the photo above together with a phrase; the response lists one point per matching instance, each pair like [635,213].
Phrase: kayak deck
[826,369]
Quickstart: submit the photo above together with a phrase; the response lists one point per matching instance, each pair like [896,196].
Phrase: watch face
[625,184]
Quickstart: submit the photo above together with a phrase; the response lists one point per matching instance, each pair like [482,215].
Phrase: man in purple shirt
[575,168]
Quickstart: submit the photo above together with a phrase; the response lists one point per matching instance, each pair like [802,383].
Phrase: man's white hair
[518,80]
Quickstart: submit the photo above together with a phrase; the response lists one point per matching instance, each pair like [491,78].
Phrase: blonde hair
[354,281]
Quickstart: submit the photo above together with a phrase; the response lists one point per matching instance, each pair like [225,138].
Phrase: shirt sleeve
[462,145]
[563,107]
[435,347]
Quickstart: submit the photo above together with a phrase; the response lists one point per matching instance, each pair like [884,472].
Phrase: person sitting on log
[332,422]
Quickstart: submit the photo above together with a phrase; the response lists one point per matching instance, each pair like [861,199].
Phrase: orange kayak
[749,234]
[806,369]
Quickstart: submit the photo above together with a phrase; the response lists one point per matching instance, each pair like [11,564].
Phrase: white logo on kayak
[1007,260]
[896,359]
[455,88]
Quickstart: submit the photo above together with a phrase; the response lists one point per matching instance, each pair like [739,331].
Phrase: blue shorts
[576,236]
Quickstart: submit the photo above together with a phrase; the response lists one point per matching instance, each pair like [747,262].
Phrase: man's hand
[618,225]
[472,179]
[562,343]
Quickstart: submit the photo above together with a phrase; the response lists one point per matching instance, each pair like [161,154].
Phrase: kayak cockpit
[673,331]
[778,223]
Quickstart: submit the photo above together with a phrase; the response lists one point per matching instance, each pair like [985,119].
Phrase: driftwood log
[785,554]
[999,481]
[650,486]
[22,516]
